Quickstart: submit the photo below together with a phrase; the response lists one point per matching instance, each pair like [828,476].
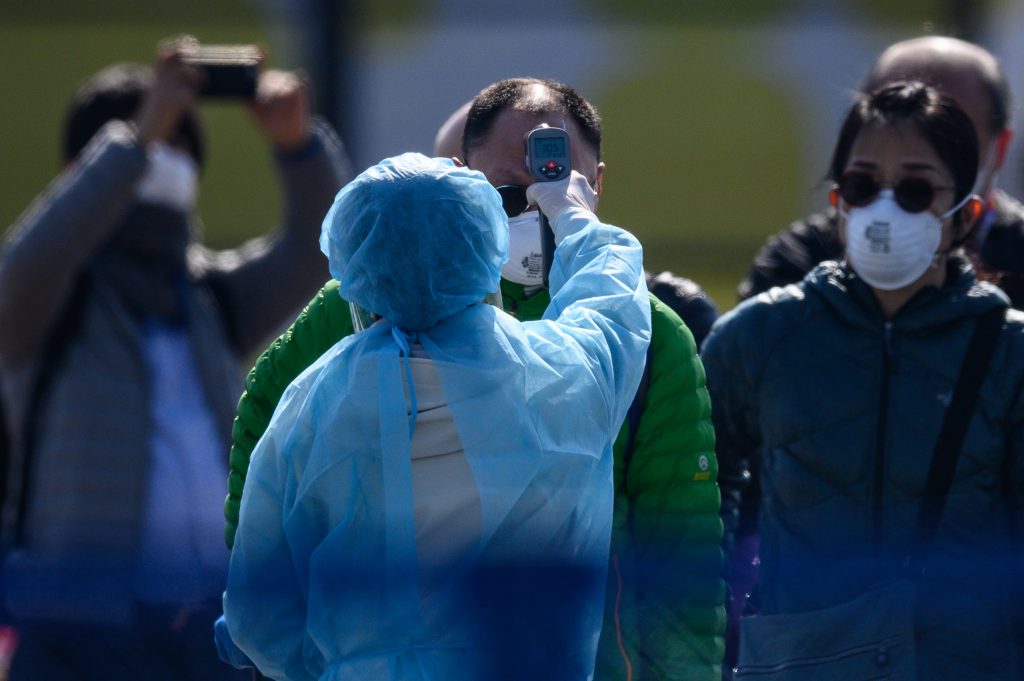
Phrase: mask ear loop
[954,209]
[976,206]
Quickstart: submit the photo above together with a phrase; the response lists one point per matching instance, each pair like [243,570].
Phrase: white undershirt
[446,501]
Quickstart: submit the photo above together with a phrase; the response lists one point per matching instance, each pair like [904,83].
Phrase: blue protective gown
[323,579]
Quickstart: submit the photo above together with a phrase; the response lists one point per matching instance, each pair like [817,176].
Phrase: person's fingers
[275,84]
[554,197]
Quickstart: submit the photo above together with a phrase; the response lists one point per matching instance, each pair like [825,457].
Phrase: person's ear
[599,182]
[833,197]
[969,215]
[973,208]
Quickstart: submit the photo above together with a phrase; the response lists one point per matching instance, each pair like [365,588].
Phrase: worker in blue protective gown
[433,496]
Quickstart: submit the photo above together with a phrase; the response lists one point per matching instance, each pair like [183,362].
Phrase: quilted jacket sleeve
[733,387]
[52,243]
[323,322]
[665,614]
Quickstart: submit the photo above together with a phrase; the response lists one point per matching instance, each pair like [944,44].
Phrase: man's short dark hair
[515,93]
[115,93]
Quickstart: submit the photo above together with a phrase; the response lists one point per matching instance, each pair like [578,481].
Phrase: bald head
[963,71]
[448,142]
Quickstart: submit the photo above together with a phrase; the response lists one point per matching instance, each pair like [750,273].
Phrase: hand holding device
[173,93]
[549,159]
[282,108]
[554,198]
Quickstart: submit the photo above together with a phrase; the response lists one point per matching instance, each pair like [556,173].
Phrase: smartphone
[229,71]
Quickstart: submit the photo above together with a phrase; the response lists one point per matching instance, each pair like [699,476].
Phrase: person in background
[664,613]
[432,498]
[120,343]
[829,395]
[974,79]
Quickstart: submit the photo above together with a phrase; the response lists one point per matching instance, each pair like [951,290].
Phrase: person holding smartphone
[120,343]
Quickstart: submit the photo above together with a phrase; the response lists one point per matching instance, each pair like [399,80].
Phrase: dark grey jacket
[836,411]
[81,511]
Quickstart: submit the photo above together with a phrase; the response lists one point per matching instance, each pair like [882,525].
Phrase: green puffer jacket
[664,615]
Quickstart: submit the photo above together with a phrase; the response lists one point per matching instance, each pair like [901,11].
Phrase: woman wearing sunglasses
[830,395]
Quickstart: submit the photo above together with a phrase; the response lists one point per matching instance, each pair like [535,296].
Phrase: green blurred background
[706,154]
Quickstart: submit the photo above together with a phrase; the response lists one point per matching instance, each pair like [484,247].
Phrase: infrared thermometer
[548,159]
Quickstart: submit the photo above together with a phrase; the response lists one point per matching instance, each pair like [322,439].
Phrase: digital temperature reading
[548,147]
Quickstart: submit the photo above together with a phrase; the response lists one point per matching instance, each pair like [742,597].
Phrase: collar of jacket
[961,296]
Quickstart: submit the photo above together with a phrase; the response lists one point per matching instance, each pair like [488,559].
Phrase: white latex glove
[554,198]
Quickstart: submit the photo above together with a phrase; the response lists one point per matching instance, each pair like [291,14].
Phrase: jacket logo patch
[704,465]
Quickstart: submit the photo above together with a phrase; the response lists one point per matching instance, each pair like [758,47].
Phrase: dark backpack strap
[52,356]
[954,429]
[636,409]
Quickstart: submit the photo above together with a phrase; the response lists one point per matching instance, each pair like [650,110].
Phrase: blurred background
[719,114]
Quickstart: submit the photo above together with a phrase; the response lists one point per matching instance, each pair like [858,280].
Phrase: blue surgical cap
[416,239]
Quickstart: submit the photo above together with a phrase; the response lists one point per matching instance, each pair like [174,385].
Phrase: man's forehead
[511,126]
[516,119]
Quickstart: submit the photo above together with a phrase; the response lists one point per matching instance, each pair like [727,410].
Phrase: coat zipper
[883,409]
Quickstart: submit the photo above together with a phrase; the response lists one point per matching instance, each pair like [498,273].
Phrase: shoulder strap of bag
[636,410]
[954,429]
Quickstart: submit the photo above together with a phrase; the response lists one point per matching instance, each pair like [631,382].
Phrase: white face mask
[890,248]
[171,178]
[525,259]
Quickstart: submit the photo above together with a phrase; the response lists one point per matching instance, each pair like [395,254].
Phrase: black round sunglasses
[913,194]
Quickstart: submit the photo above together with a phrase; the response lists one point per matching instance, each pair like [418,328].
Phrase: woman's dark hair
[516,93]
[116,93]
[935,117]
